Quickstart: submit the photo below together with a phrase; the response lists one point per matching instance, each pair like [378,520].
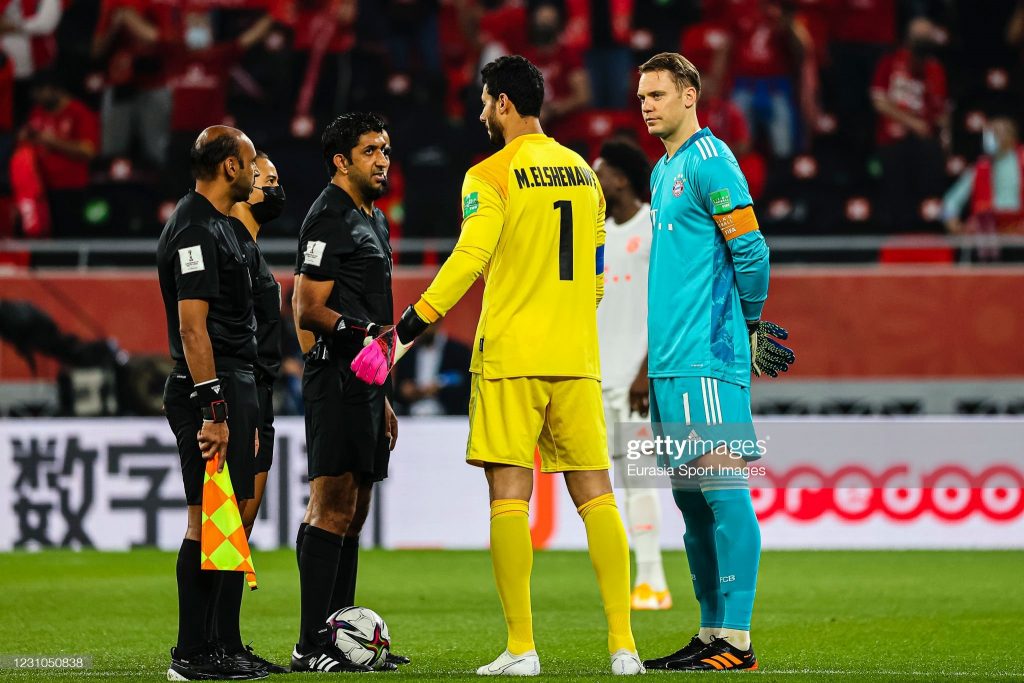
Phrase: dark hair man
[533,214]
[342,293]
[207,295]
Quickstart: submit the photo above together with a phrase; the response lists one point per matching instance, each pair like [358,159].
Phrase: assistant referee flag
[224,545]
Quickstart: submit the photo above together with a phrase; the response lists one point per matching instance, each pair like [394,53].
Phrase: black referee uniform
[345,423]
[266,294]
[199,257]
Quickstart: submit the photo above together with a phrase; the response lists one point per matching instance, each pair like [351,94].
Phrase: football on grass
[360,634]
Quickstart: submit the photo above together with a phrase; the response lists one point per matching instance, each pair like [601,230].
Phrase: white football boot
[627,663]
[508,664]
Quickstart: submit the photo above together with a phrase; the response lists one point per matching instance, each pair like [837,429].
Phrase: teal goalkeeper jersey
[709,264]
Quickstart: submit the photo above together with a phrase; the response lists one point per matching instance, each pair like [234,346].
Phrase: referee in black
[211,393]
[342,294]
[265,203]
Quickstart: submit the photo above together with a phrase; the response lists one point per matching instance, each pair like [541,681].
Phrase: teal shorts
[695,415]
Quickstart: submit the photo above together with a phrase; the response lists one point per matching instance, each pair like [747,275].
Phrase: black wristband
[208,392]
[349,328]
[210,397]
[215,412]
[410,326]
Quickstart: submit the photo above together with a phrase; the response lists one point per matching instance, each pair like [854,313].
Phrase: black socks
[195,588]
[345,583]
[318,570]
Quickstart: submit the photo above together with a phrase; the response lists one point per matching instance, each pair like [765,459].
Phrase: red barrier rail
[878,322]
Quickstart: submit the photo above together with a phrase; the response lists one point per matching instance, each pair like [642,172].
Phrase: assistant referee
[211,393]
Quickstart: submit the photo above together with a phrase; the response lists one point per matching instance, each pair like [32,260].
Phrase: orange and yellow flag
[224,545]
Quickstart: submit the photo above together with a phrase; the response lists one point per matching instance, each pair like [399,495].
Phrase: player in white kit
[624,173]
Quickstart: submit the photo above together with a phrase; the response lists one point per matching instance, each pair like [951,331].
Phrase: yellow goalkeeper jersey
[533,225]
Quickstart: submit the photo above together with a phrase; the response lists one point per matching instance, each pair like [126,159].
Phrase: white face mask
[198,37]
[989,145]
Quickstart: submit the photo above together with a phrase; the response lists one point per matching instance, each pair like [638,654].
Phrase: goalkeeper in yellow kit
[533,226]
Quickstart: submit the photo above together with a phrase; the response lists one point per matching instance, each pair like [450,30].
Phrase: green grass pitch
[850,616]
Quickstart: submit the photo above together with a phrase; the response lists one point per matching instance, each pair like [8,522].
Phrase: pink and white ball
[361,635]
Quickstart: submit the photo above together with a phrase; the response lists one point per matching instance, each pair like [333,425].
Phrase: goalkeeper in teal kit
[708,282]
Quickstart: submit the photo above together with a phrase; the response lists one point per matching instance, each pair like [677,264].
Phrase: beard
[494,132]
[369,190]
[241,188]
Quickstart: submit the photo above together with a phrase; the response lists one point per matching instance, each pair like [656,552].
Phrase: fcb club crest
[677,186]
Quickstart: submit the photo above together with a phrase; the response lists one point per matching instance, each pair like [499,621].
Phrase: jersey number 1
[564,208]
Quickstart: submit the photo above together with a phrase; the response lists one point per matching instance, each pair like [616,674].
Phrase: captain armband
[737,222]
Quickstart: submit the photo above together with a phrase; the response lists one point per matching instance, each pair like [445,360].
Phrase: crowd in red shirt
[783,80]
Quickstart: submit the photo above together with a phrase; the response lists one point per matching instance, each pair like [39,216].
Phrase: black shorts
[344,423]
[185,419]
[265,396]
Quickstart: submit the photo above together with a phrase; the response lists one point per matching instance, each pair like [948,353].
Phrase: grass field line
[436,675]
[891,672]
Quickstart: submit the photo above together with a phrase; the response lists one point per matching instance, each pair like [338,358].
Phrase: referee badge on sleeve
[191,259]
[314,253]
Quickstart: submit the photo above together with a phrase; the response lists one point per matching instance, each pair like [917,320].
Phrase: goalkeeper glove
[380,354]
[767,356]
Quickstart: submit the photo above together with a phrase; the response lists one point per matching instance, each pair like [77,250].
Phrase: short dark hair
[521,81]
[260,154]
[683,72]
[342,134]
[207,155]
[631,161]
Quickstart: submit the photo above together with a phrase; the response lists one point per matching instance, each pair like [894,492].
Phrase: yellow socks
[512,557]
[609,553]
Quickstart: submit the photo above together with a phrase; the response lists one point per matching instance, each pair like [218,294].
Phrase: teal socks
[738,544]
[699,541]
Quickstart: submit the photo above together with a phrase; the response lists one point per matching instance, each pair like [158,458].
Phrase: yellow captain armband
[736,223]
[426,312]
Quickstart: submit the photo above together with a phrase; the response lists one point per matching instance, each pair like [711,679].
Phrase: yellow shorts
[509,418]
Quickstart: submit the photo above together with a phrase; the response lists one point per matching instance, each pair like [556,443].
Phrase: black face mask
[543,35]
[920,48]
[271,207]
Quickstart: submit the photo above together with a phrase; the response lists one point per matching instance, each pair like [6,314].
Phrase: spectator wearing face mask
[53,154]
[992,190]
[200,72]
[909,94]
[566,84]
[565,78]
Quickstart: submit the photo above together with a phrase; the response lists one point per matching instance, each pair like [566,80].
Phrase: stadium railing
[864,249]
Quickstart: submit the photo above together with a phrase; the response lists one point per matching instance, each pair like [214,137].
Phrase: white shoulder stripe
[708,147]
[700,148]
[704,395]
[718,404]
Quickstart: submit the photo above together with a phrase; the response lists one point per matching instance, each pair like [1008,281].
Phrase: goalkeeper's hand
[380,354]
[767,356]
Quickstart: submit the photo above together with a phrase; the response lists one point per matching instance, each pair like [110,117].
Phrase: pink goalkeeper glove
[379,355]
[375,361]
